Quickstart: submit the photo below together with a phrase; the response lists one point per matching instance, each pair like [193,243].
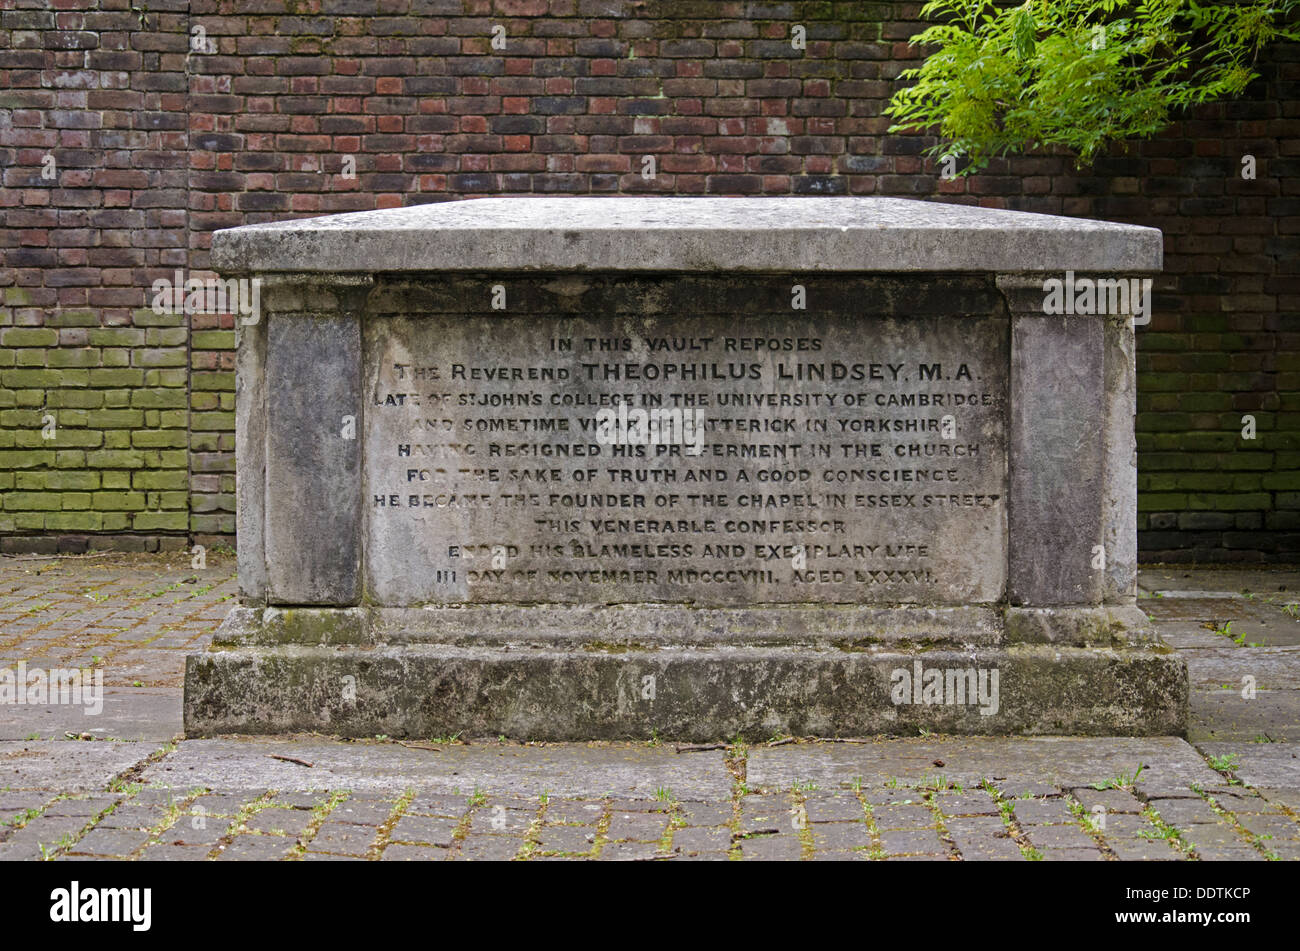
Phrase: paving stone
[1143,850]
[13,802]
[110,842]
[132,817]
[1042,811]
[414,853]
[824,808]
[706,813]
[1228,853]
[223,805]
[898,841]
[988,848]
[781,848]
[310,856]
[86,858]
[11,851]
[175,853]
[45,830]
[903,817]
[1060,837]
[513,802]
[628,852]
[1285,849]
[920,858]
[967,804]
[703,857]
[564,771]
[1072,855]
[1123,824]
[840,835]
[569,811]
[369,812]
[488,848]
[435,805]
[280,821]
[1152,791]
[1284,797]
[1066,762]
[81,808]
[644,827]
[257,848]
[342,837]
[702,839]
[566,838]
[1111,800]
[1241,804]
[435,830]
[1219,835]
[300,800]
[1021,789]
[161,797]
[206,835]
[1275,824]
[493,818]
[884,796]
[765,812]
[1183,812]
[975,825]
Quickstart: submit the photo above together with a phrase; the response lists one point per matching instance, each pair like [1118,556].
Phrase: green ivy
[1076,74]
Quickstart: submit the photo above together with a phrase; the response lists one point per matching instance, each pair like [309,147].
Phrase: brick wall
[155,145]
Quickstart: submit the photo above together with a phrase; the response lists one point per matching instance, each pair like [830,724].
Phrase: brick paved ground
[123,784]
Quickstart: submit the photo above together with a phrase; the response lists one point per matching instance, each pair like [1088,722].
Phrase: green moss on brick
[158,399]
[212,340]
[119,501]
[74,521]
[32,501]
[115,459]
[29,337]
[160,521]
[165,479]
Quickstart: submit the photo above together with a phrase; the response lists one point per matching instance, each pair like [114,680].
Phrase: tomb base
[620,674]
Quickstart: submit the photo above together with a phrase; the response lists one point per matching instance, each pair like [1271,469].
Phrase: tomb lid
[585,233]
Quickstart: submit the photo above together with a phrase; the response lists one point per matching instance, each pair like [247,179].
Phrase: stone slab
[1056,441]
[583,233]
[703,695]
[139,713]
[68,765]
[1221,715]
[1275,582]
[1063,761]
[571,771]
[313,486]
[1263,765]
[1272,668]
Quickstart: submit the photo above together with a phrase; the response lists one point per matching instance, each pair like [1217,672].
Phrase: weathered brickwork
[167,119]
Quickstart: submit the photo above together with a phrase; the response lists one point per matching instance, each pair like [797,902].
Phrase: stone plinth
[597,468]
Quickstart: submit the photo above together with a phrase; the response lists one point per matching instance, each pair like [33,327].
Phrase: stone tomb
[599,468]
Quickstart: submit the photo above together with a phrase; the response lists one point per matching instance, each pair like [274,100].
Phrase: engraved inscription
[724,462]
